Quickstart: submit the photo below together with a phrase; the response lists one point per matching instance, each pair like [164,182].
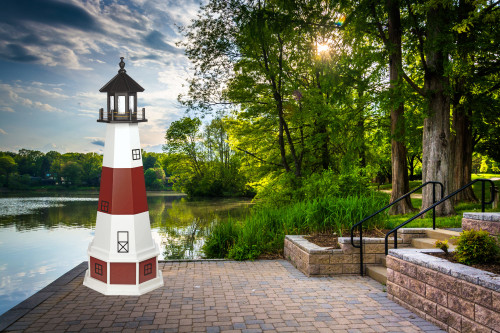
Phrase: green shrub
[238,252]
[443,245]
[476,247]
[222,237]
[284,189]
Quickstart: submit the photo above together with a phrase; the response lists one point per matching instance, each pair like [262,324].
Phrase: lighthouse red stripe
[123,191]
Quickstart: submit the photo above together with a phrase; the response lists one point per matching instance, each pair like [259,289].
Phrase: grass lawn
[443,222]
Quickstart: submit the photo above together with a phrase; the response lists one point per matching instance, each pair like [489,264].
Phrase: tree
[7,167]
[393,45]
[474,82]
[155,178]
[91,165]
[183,137]
[72,173]
[202,163]
[148,160]
[29,162]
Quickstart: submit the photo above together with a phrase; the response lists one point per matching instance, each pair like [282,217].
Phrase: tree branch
[418,32]
[411,83]
[380,29]
[258,158]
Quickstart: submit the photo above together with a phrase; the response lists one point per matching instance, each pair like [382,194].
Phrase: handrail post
[396,239]
[493,195]
[434,209]
[482,195]
[361,249]
[386,245]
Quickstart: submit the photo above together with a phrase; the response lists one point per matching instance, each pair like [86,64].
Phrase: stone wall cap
[309,247]
[367,240]
[413,230]
[493,217]
[470,274]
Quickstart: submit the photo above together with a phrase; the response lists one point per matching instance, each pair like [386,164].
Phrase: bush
[476,247]
[19,182]
[221,238]
[443,245]
[286,188]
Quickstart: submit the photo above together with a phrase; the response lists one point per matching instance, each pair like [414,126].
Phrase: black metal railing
[433,207]
[127,116]
[360,223]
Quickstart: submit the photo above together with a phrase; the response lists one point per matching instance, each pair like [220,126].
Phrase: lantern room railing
[127,117]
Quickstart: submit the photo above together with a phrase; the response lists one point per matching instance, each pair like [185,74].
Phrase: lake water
[41,238]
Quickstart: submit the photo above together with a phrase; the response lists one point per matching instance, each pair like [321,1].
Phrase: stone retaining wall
[455,297]
[486,221]
[314,260]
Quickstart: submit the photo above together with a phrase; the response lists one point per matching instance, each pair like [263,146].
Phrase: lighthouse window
[112,103]
[148,269]
[104,206]
[121,104]
[136,154]
[98,269]
[131,103]
[122,241]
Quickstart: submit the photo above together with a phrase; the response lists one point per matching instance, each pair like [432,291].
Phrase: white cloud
[6,109]
[3,132]
[10,95]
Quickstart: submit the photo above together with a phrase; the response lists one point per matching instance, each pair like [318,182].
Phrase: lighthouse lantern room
[123,257]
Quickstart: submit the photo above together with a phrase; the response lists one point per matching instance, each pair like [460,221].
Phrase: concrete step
[428,243]
[443,234]
[423,243]
[378,273]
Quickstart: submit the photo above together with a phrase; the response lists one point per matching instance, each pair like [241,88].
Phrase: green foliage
[7,166]
[443,245]
[155,178]
[202,163]
[91,168]
[265,229]
[19,182]
[221,238]
[72,173]
[30,168]
[476,247]
[287,188]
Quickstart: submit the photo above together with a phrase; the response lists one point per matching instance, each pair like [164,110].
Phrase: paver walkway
[214,296]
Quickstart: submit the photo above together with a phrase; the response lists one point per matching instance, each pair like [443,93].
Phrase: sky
[56,55]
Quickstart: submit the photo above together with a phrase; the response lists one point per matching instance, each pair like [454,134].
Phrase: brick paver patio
[216,296]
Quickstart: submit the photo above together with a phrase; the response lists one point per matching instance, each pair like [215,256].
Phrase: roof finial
[122,66]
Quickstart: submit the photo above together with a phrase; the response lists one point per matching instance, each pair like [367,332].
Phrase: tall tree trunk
[436,139]
[400,182]
[462,152]
[462,143]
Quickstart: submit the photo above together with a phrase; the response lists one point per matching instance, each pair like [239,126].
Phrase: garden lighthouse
[123,257]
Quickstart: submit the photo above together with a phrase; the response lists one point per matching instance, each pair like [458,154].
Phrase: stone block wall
[455,297]
[314,260]
[486,221]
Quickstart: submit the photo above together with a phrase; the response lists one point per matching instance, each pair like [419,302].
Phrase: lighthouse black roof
[121,82]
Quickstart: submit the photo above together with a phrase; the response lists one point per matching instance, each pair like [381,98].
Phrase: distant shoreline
[79,191]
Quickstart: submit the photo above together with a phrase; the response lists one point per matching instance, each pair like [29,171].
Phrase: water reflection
[41,238]
[182,225]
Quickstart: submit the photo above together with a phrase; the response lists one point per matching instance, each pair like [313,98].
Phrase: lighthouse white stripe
[105,243]
[121,139]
